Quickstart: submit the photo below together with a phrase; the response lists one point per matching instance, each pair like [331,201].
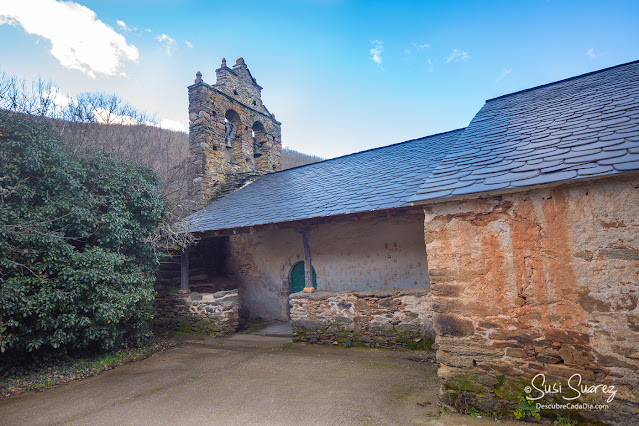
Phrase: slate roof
[582,127]
[376,179]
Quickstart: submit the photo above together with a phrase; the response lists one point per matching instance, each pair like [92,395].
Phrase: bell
[229,132]
[256,150]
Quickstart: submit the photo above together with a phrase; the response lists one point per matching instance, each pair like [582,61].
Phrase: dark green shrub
[76,258]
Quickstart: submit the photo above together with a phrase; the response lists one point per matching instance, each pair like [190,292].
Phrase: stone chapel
[512,242]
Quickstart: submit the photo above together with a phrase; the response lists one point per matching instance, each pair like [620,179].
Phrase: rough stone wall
[238,83]
[378,319]
[382,253]
[210,161]
[216,313]
[543,281]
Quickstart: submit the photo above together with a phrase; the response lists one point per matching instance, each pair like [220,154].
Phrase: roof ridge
[562,80]
[367,150]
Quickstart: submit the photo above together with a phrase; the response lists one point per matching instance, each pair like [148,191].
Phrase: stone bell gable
[233,138]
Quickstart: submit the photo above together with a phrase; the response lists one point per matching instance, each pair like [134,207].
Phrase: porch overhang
[306,223]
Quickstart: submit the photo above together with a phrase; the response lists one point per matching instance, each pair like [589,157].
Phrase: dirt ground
[249,379]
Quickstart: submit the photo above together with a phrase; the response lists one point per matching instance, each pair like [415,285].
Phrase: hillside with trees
[105,121]
[292,158]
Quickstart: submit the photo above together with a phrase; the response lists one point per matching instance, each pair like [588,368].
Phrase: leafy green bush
[526,408]
[76,258]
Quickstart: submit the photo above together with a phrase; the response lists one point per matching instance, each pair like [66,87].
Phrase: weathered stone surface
[543,281]
[388,318]
[215,165]
[516,353]
[217,313]
[559,370]
[451,325]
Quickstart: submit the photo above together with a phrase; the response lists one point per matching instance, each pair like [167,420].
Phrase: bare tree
[106,121]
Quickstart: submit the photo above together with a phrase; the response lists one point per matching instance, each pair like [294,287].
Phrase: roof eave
[505,191]
[403,210]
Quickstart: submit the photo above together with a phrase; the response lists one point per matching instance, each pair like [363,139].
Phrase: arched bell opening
[259,138]
[232,122]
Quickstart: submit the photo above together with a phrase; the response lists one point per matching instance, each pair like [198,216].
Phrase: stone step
[202,277]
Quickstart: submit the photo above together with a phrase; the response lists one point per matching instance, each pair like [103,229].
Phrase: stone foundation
[215,313]
[376,318]
[543,281]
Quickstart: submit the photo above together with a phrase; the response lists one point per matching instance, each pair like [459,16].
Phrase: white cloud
[79,41]
[430,65]
[124,26]
[376,52]
[52,99]
[173,125]
[105,116]
[503,74]
[4,19]
[188,44]
[168,41]
[59,99]
[457,55]
[591,52]
[417,47]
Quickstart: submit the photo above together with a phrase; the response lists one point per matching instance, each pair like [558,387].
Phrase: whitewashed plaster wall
[383,253]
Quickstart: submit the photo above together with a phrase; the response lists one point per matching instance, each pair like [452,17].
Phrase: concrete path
[247,379]
[277,329]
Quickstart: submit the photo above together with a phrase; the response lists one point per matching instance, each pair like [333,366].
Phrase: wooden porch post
[308,266]
[184,267]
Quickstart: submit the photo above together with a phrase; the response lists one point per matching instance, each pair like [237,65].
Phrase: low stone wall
[215,313]
[379,319]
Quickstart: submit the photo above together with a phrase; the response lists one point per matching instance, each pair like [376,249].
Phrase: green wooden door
[298,281]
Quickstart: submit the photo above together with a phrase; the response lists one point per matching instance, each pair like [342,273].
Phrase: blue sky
[342,76]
